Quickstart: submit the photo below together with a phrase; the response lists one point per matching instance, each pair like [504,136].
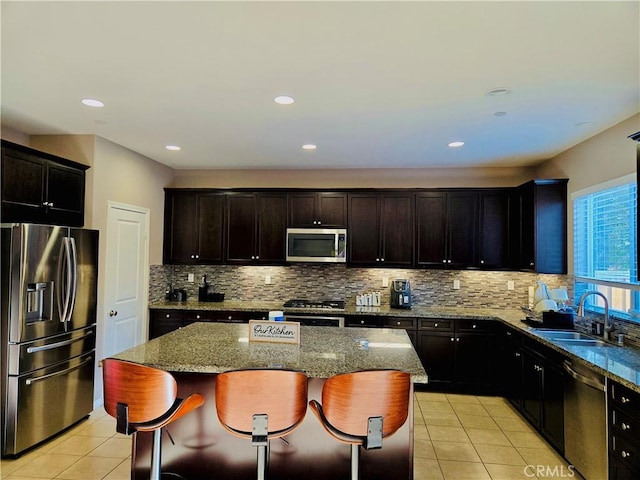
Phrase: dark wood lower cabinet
[533,381]
[624,425]
[165,321]
[457,354]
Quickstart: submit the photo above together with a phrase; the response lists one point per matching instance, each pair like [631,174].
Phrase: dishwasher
[585,421]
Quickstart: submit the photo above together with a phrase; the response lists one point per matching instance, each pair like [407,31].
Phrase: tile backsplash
[429,288]
[338,282]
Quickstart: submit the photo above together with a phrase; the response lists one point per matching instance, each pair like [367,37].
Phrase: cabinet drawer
[625,399]
[363,321]
[173,315]
[465,325]
[239,317]
[398,322]
[624,424]
[436,324]
[196,316]
[625,451]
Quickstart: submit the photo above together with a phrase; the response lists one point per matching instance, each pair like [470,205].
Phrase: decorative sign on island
[276,332]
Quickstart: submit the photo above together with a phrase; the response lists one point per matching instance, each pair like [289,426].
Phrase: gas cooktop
[324,304]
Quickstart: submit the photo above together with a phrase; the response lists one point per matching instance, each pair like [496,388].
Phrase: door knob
[113,313]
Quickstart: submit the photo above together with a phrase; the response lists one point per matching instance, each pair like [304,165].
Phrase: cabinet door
[364,228]
[210,224]
[180,235]
[302,209]
[437,353]
[431,216]
[272,228]
[532,388]
[241,227]
[512,371]
[473,359]
[332,209]
[462,229]
[397,219]
[23,179]
[494,230]
[65,195]
[552,422]
[164,321]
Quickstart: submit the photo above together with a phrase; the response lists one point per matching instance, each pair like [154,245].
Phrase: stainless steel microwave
[317,245]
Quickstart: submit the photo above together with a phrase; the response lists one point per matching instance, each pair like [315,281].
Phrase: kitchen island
[202,449]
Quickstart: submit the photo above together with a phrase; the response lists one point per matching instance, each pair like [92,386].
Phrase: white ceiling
[377,84]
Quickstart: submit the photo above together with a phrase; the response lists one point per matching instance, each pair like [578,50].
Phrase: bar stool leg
[262,462]
[155,455]
[355,462]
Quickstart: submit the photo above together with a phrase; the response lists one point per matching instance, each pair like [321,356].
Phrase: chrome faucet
[607,328]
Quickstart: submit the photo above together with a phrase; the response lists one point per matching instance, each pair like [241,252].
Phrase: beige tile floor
[457,437]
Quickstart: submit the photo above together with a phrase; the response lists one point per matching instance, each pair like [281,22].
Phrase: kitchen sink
[564,337]
[583,342]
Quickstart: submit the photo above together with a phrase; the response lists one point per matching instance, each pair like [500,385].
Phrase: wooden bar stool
[362,408]
[144,399]
[261,405]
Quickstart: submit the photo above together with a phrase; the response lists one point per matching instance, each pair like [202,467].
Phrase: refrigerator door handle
[29,381]
[73,259]
[51,346]
[65,278]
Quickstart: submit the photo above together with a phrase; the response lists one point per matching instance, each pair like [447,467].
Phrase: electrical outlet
[456,284]
[190,278]
[511,285]
[267,279]
[385,281]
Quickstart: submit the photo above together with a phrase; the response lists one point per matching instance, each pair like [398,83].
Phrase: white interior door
[127,259]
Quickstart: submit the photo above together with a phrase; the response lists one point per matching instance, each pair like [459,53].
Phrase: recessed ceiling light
[284,100]
[309,146]
[92,102]
[172,147]
[456,144]
[496,92]
[500,114]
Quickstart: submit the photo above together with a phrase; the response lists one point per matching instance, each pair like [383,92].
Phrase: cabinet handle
[531,264]
[197,256]
[382,259]
[193,256]
[625,454]
[229,317]
[435,325]
[474,326]
[398,323]
[481,261]
[452,339]
[361,322]
[449,261]
[625,400]
[45,204]
[377,259]
[319,222]
[167,315]
[626,426]
[198,317]
[518,355]
[457,339]
[444,261]
[508,334]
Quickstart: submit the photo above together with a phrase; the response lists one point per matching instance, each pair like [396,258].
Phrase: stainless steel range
[315,312]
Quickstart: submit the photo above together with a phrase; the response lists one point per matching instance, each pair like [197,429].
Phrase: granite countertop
[621,364]
[322,353]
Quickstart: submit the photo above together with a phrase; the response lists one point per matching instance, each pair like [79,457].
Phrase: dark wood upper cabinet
[543,226]
[193,227]
[447,228]
[494,242]
[38,187]
[380,229]
[256,227]
[317,209]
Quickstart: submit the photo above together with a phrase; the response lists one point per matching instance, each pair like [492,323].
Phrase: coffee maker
[400,294]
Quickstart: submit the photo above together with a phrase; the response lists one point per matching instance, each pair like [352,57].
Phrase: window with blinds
[604,247]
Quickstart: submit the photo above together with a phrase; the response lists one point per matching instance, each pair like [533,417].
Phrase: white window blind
[605,234]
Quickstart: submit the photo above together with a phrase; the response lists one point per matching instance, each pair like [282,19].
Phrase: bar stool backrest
[349,399]
[281,394]
[148,392]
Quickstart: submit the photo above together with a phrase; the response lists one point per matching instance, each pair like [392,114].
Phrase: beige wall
[355,178]
[606,156]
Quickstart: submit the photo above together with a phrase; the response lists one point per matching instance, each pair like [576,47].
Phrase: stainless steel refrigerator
[49,279]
